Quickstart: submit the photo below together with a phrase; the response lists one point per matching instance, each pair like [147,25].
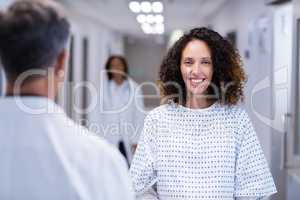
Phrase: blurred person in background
[123,99]
[44,154]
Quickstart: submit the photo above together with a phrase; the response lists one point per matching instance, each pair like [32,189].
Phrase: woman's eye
[206,62]
[188,62]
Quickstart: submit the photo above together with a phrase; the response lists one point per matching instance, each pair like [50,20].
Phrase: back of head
[33,34]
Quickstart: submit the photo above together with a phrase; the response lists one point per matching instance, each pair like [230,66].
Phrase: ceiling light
[150,19]
[141,18]
[159,19]
[146,6]
[159,28]
[135,6]
[157,7]
[147,28]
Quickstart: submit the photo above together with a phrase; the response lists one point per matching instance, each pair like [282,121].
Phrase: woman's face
[117,68]
[196,67]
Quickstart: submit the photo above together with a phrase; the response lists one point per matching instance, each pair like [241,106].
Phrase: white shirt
[48,157]
[122,117]
[203,154]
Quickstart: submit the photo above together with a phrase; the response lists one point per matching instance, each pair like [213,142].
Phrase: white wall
[103,41]
[254,23]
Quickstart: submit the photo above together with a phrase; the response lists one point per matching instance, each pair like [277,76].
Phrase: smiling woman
[196,69]
[201,145]
[228,78]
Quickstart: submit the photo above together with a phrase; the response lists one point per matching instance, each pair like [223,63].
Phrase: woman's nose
[196,68]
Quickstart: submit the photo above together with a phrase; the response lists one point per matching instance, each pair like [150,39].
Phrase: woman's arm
[143,168]
[252,176]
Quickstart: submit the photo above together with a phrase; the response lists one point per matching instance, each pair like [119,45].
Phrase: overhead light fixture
[146,7]
[157,7]
[135,6]
[147,28]
[159,19]
[141,18]
[150,19]
[153,29]
[159,28]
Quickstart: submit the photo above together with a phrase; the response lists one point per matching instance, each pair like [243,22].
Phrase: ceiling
[179,14]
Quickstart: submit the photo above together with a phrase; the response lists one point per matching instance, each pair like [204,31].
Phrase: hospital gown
[203,154]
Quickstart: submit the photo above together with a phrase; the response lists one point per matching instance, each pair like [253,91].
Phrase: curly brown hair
[228,75]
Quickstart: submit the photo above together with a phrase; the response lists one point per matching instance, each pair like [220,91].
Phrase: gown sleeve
[252,177]
[143,169]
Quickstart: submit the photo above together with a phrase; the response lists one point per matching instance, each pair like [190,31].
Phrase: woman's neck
[197,102]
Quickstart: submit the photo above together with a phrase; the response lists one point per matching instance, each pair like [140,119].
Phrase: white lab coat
[122,114]
[47,156]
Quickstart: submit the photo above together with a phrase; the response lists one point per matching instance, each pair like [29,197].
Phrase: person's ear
[59,68]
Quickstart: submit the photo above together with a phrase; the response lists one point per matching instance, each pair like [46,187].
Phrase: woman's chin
[199,92]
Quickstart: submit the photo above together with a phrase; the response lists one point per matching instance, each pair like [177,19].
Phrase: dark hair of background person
[228,74]
[108,66]
[33,34]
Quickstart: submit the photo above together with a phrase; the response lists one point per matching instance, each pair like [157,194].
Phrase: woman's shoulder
[158,111]
[233,111]
[161,112]
[237,113]
[236,117]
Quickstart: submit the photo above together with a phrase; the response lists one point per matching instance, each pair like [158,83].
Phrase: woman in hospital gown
[201,145]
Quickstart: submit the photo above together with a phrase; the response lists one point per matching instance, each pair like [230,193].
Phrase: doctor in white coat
[45,155]
[122,108]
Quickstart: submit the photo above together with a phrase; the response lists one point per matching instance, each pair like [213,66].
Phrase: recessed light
[150,19]
[141,18]
[135,6]
[147,28]
[159,19]
[146,7]
[157,7]
[159,28]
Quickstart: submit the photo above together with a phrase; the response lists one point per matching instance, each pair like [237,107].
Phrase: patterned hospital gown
[202,154]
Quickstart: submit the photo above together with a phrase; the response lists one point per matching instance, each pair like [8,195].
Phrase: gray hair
[33,34]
